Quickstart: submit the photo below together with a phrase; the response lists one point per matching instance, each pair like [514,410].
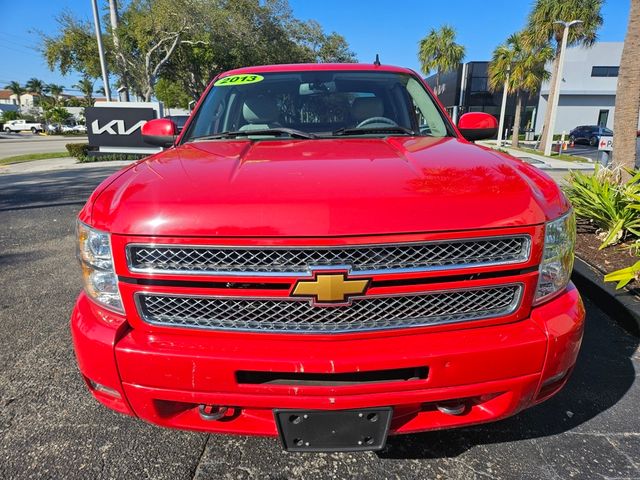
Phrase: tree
[86,88]
[171,94]
[236,33]
[17,90]
[190,41]
[149,33]
[525,63]
[37,87]
[56,92]
[439,51]
[58,114]
[10,115]
[542,31]
[625,124]
[74,48]
[323,48]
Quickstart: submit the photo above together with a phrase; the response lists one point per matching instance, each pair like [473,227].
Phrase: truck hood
[327,187]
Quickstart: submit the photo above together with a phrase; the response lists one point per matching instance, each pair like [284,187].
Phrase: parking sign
[605,144]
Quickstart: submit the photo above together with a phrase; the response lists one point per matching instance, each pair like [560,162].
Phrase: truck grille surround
[361,259]
[235,311]
[364,313]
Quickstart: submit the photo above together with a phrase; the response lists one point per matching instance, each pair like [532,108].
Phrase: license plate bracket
[333,430]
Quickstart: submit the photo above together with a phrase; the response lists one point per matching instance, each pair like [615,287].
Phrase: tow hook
[212,412]
[452,408]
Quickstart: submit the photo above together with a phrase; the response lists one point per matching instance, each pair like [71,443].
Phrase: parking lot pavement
[581,150]
[23,143]
[50,427]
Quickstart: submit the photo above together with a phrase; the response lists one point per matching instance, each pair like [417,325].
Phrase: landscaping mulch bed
[606,260]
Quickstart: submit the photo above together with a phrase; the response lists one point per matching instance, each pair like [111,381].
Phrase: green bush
[81,151]
[110,156]
[10,115]
[611,206]
[78,150]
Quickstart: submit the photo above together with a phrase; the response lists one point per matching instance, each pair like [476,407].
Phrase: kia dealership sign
[115,127]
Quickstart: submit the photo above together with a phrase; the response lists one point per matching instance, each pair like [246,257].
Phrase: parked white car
[73,129]
[22,126]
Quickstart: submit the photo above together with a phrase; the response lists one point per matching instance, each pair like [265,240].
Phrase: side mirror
[160,132]
[477,126]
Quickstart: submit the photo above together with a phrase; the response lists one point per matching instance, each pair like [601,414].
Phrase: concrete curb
[621,305]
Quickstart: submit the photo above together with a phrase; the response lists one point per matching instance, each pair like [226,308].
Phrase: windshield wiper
[279,131]
[369,130]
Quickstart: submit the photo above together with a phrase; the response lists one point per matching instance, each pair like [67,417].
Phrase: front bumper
[164,377]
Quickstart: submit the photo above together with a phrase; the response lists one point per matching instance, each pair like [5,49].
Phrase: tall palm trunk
[625,124]
[515,139]
[552,91]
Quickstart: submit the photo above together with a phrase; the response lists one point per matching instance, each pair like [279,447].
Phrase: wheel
[593,141]
[34,130]
[7,130]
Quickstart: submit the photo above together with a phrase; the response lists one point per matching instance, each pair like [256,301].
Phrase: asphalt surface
[581,150]
[50,427]
[23,143]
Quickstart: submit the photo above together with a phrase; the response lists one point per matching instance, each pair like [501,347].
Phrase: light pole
[553,102]
[503,108]
[103,63]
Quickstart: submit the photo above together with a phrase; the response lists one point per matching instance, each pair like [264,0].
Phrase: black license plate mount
[333,430]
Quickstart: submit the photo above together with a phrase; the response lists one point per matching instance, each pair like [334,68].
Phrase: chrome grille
[297,260]
[365,313]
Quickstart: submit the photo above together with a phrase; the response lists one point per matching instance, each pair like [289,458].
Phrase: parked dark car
[589,134]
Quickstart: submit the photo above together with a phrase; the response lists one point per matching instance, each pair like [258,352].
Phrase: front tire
[593,141]
[7,130]
[34,130]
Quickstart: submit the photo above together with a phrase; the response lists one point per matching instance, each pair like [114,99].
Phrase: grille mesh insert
[366,258]
[365,313]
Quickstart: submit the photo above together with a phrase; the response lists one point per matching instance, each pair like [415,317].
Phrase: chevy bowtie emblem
[330,288]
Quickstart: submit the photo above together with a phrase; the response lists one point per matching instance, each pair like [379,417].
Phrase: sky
[392,29]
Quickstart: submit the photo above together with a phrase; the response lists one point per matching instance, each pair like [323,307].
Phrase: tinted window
[604,71]
[318,102]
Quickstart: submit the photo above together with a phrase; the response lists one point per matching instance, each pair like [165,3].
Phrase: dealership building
[587,91]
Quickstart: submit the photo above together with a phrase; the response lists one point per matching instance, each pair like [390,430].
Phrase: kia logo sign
[116,126]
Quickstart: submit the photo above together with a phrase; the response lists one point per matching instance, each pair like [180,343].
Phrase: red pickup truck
[321,255]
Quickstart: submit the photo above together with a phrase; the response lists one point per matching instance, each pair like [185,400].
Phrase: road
[50,427]
[23,143]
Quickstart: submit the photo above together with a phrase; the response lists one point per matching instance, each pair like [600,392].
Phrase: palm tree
[36,86]
[541,31]
[625,124]
[86,87]
[440,52]
[525,63]
[17,90]
[56,92]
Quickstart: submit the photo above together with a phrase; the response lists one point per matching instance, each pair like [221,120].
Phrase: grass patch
[32,156]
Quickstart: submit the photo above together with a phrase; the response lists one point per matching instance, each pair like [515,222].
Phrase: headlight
[98,275]
[557,258]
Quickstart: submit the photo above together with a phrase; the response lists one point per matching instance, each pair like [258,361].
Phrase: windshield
[317,104]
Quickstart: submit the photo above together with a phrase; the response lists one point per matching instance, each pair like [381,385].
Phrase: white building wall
[581,95]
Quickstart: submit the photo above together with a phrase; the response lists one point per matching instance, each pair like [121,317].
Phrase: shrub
[78,150]
[611,206]
[110,156]
[10,115]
